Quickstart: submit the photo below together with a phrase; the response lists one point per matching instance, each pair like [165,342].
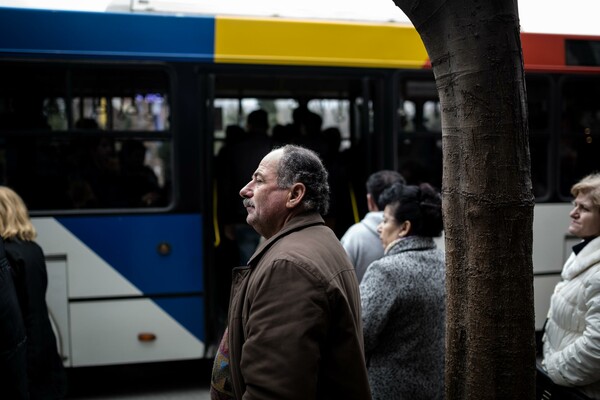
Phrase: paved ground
[165,381]
[166,394]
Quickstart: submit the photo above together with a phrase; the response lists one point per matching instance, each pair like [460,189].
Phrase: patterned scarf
[220,386]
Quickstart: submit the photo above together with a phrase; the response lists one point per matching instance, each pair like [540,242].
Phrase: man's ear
[296,195]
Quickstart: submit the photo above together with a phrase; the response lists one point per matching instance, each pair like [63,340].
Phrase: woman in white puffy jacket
[572,335]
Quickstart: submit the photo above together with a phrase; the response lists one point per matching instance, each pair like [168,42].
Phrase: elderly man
[294,320]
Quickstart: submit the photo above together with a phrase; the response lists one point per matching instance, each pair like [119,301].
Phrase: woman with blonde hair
[572,333]
[45,372]
[14,217]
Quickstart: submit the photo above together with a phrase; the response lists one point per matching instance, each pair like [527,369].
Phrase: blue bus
[111,124]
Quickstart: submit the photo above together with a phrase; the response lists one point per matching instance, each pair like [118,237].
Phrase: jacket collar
[588,256]
[300,221]
[410,243]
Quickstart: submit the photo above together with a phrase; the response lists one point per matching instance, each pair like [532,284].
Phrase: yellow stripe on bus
[320,43]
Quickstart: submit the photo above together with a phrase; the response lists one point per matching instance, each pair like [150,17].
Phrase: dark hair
[258,119]
[379,181]
[299,164]
[421,205]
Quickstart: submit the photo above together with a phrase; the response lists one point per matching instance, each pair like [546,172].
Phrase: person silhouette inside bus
[308,125]
[284,134]
[571,341]
[45,373]
[341,215]
[97,182]
[139,182]
[235,165]
[25,112]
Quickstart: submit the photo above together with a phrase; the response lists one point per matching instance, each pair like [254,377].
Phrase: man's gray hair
[301,165]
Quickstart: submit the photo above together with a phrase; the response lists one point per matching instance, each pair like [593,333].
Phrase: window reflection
[75,137]
[580,131]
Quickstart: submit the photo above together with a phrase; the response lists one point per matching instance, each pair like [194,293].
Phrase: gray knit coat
[403,314]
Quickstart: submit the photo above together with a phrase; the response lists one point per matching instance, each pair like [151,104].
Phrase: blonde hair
[590,184]
[14,217]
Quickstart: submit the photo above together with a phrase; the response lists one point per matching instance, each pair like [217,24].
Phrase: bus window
[55,110]
[32,97]
[55,146]
[580,131]
[234,112]
[420,140]
[420,144]
[407,116]
[335,113]
[538,102]
[228,112]
[126,101]
[142,112]
[432,116]
[421,106]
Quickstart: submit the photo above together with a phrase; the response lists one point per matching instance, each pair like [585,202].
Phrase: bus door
[333,111]
[217,270]
[419,131]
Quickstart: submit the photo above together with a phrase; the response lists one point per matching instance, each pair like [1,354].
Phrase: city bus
[111,124]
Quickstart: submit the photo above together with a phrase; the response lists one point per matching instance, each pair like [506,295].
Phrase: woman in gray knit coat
[403,299]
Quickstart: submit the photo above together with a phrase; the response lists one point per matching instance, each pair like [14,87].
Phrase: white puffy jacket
[572,335]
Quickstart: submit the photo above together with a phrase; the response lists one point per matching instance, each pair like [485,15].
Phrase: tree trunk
[475,51]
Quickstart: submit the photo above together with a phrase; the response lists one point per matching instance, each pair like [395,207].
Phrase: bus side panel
[91,34]
[122,277]
[113,331]
[551,247]
[88,275]
[132,245]
[296,42]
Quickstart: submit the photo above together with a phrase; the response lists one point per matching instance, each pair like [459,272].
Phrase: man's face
[265,202]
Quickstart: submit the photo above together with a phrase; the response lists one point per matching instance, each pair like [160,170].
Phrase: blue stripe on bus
[142,36]
[188,311]
[129,244]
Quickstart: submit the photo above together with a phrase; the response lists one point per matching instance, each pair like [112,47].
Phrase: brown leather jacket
[294,320]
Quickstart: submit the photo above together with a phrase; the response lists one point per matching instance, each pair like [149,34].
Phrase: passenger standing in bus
[403,298]
[294,321]
[139,182]
[13,355]
[309,130]
[235,165]
[361,241]
[45,373]
[572,333]
[341,213]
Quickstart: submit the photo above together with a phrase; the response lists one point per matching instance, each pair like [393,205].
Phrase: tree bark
[475,51]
